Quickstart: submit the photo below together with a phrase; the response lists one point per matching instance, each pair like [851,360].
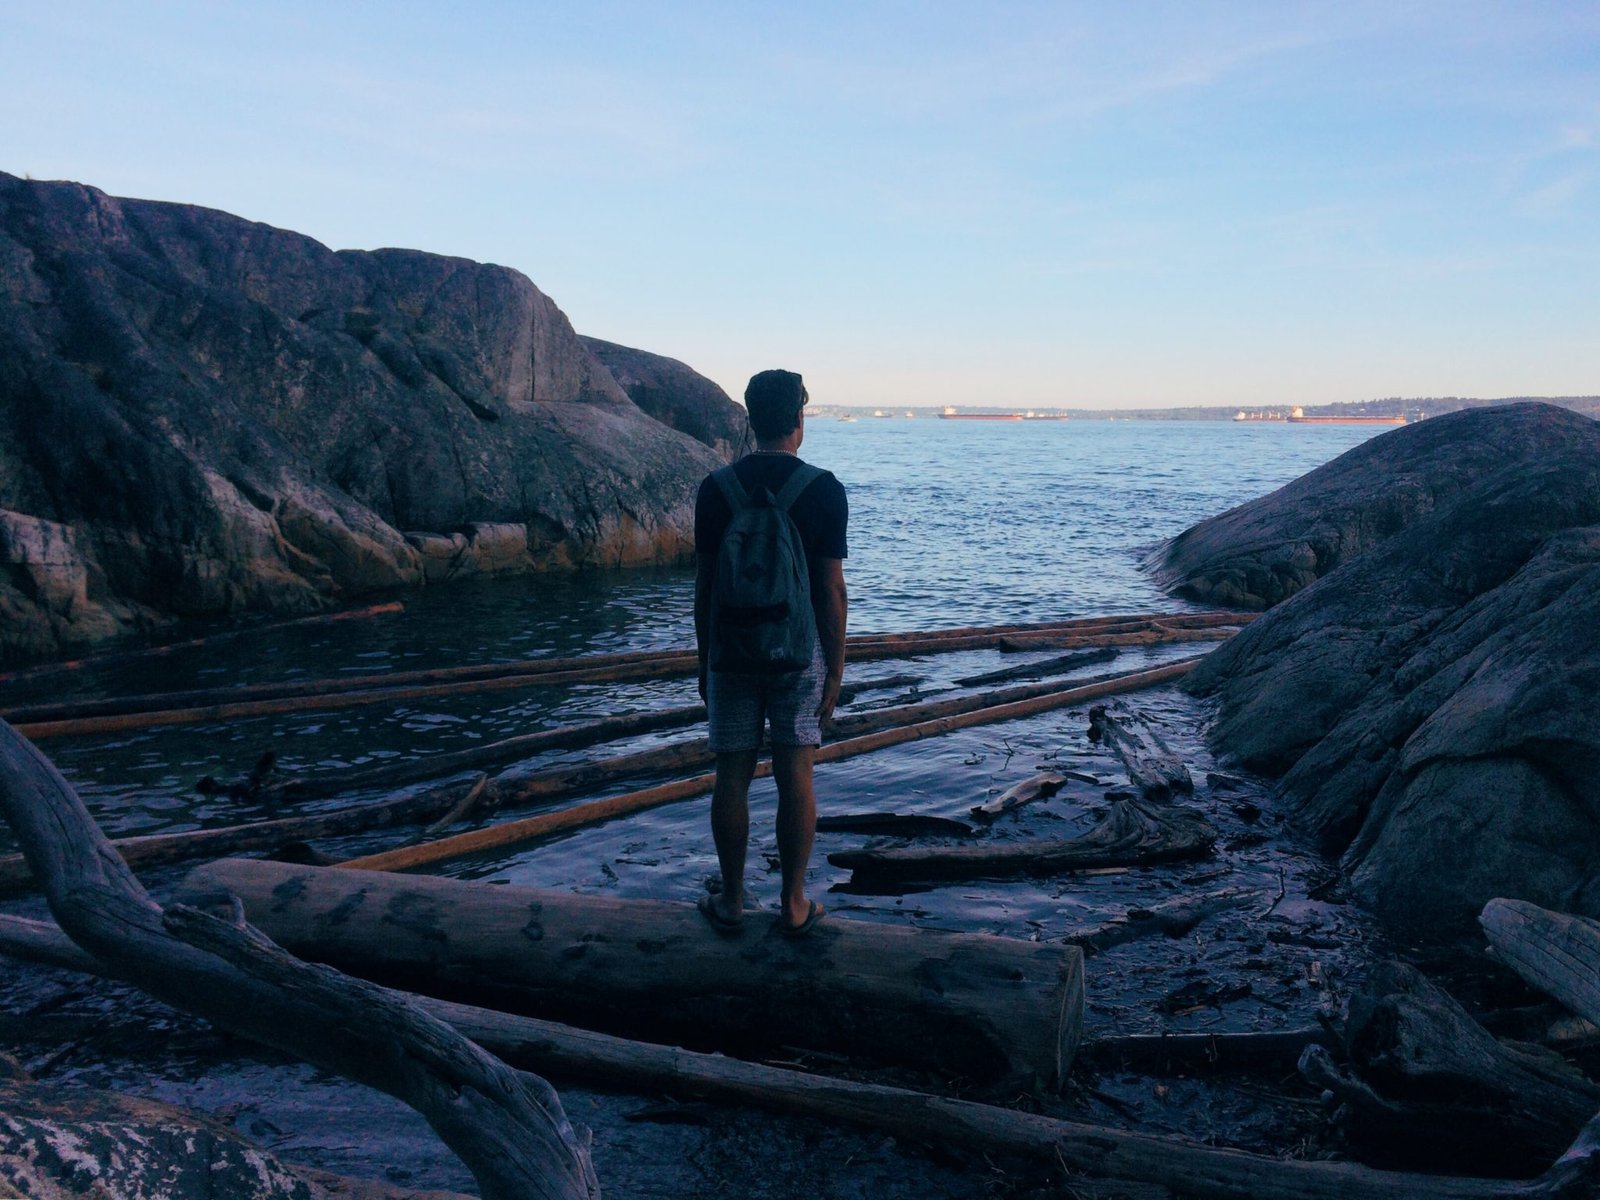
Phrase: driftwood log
[215,704]
[528,829]
[983,1006]
[1429,1088]
[1151,765]
[1558,953]
[559,783]
[1132,833]
[1037,670]
[1172,918]
[508,1128]
[1037,787]
[1081,1151]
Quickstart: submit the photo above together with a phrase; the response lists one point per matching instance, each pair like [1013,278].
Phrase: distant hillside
[1390,406]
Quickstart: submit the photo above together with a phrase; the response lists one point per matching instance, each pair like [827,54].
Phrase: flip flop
[708,909]
[805,926]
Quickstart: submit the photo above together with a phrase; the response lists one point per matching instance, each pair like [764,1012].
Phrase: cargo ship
[1298,417]
[950,414]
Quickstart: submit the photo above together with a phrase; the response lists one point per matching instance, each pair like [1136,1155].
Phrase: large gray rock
[677,395]
[1430,701]
[200,415]
[1267,549]
[62,1142]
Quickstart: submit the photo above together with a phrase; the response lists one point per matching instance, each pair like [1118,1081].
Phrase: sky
[1088,205]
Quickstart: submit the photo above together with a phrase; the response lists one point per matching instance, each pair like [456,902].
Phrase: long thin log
[985,1007]
[159,849]
[1151,765]
[1087,1151]
[551,784]
[175,708]
[1554,952]
[1132,833]
[1153,636]
[529,829]
[508,1128]
[119,658]
[1047,666]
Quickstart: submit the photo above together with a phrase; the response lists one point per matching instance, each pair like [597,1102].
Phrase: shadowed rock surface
[1262,552]
[676,395]
[201,415]
[1430,702]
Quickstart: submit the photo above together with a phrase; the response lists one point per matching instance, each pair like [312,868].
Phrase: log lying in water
[175,708]
[159,849]
[898,824]
[983,1006]
[1427,1086]
[1174,918]
[1048,666]
[1555,952]
[509,1129]
[1017,642]
[1152,767]
[1083,1151]
[1132,833]
[529,829]
[1040,786]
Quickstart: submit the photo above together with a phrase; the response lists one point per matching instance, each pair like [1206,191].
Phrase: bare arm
[832,603]
[705,574]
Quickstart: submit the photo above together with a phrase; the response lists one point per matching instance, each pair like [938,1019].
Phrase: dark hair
[774,400]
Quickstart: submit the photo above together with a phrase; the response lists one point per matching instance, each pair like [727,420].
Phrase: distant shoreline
[1413,409]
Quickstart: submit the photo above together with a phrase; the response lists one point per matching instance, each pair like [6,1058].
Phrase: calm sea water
[952,523]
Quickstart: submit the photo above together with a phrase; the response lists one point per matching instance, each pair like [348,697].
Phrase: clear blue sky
[1040,203]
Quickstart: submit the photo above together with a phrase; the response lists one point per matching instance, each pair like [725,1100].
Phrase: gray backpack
[761,616]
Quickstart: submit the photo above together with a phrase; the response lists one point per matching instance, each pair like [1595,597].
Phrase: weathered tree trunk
[983,1006]
[1048,666]
[513,833]
[1083,1151]
[1040,786]
[1151,765]
[508,1128]
[175,708]
[1174,918]
[1429,1088]
[1558,953]
[1132,833]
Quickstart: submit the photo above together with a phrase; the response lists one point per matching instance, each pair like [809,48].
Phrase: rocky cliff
[676,395]
[1428,700]
[201,415]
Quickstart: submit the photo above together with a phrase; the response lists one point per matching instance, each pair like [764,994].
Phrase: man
[796,703]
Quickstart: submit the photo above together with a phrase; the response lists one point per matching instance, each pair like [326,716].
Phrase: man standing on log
[769,619]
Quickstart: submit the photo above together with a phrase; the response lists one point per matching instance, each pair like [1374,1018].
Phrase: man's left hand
[830,697]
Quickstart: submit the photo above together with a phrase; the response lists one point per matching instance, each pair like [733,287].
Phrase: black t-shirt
[820,512]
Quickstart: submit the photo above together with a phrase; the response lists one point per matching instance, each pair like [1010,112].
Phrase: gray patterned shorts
[739,706]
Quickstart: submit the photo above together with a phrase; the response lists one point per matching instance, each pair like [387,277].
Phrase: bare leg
[797,825]
[730,827]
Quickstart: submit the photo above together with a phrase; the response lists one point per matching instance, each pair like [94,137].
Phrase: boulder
[201,415]
[1265,550]
[676,395]
[1428,701]
[64,1142]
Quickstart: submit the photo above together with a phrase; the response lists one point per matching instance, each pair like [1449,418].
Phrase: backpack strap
[732,490]
[802,478]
